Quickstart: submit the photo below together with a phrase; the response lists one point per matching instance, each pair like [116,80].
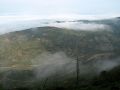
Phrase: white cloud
[14,23]
[81,26]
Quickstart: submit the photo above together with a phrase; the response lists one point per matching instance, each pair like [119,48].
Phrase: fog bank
[17,23]
[82,26]
[52,66]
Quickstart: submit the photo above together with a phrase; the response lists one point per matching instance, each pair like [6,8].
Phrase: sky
[59,7]
[24,13]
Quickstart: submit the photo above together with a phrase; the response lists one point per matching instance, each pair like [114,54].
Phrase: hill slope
[23,46]
[49,53]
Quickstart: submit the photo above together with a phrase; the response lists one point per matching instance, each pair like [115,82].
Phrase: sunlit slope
[21,47]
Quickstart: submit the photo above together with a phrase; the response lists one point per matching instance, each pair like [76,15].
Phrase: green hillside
[21,46]
[18,51]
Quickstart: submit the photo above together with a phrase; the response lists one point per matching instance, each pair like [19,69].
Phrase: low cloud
[17,23]
[52,66]
[82,26]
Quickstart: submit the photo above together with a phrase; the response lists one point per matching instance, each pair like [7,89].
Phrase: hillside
[46,52]
[22,46]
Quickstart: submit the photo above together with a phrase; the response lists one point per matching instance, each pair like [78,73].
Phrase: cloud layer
[81,26]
